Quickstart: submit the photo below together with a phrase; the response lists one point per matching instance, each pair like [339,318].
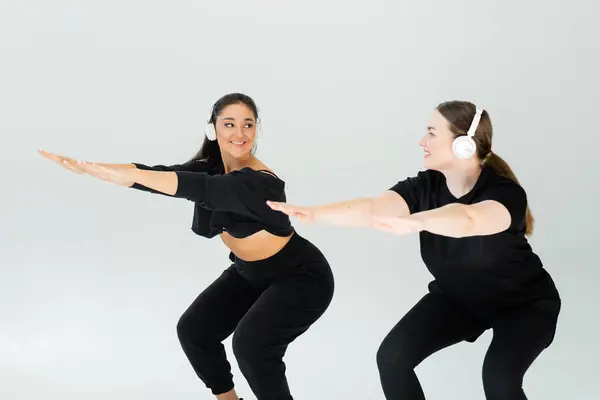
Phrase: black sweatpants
[268,303]
[434,323]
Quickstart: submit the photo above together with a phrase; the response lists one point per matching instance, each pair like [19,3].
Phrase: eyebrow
[233,119]
[431,128]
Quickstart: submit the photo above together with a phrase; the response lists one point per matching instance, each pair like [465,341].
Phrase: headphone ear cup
[259,128]
[211,133]
[464,147]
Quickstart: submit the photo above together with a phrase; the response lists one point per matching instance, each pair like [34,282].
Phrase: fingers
[92,170]
[385,219]
[278,206]
[275,205]
[383,226]
[65,162]
[49,155]
[73,166]
[302,213]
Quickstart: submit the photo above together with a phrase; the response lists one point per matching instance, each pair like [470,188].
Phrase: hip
[298,257]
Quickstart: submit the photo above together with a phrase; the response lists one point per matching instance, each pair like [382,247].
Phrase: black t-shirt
[234,202]
[485,273]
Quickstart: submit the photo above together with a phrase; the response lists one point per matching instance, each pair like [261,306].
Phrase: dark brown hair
[459,115]
[210,151]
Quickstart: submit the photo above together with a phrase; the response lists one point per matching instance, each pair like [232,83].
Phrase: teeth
[237,142]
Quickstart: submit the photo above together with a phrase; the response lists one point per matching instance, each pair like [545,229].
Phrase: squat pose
[278,284]
[472,218]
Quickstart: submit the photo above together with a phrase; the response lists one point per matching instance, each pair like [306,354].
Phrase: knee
[189,330]
[183,328]
[393,355]
[245,347]
[501,383]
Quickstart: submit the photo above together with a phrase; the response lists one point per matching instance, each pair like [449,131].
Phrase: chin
[432,165]
[427,164]
[240,153]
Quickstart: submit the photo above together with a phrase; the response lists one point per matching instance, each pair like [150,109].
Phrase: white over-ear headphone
[464,146]
[210,131]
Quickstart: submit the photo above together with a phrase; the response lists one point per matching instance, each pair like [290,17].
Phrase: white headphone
[464,146]
[211,132]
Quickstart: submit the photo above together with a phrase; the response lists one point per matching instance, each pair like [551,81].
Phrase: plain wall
[94,276]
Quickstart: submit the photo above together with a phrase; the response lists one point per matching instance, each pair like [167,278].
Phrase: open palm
[104,172]
[304,214]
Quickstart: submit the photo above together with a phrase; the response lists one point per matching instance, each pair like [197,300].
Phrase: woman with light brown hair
[473,220]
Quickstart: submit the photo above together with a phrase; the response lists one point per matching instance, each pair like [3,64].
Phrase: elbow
[188,185]
[469,224]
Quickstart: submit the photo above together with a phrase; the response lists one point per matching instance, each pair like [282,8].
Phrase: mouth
[427,154]
[238,143]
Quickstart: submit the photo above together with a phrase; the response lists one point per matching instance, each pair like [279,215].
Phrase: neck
[462,178]
[233,163]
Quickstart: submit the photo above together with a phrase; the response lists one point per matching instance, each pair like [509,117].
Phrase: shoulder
[259,178]
[507,192]
[423,179]
[418,189]
[496,183]
[256,182]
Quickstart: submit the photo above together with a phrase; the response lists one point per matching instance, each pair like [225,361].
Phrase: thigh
[432,324]
[220,307]
[285,310]
[520,335]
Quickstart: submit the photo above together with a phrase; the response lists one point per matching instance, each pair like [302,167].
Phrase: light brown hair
[459,115]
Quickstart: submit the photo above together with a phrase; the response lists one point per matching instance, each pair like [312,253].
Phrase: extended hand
[118,176]
[304,214]
[398,225]
[66,162]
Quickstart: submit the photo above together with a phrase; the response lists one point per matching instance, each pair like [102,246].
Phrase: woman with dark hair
[472,217]
[278,284]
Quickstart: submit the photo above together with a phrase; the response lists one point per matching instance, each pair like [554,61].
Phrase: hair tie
[487,156]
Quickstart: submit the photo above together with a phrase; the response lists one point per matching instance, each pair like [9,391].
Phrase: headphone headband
[465,146]
[475,122]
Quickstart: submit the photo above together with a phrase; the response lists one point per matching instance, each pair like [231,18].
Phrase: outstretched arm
[165,182]
[462,220]
[71,164]
[242,192]
[400,200]
[360,212]
[497,210]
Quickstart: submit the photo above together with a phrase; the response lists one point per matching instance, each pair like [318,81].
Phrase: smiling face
[437,144]
[236,130]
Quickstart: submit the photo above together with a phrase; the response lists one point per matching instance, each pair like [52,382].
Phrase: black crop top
[234,202]
[487,272]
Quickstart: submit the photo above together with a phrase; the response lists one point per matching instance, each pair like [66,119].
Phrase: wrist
[419,221]
[316,212]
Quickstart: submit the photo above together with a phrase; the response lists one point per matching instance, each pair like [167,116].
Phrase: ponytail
[496,163]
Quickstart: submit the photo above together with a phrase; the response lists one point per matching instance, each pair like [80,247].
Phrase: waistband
[297,250]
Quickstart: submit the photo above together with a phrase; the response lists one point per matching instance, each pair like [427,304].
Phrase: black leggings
[268,303]
[434,323]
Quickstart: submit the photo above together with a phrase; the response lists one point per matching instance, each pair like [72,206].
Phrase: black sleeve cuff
[191,186]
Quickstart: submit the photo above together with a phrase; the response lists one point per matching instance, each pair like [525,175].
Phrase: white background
[94,277]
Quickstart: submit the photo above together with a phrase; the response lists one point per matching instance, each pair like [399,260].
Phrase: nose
[239,131]
[423,141]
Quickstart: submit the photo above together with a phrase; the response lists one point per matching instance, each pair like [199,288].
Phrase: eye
[228,124]
[430,133]
[249,125]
